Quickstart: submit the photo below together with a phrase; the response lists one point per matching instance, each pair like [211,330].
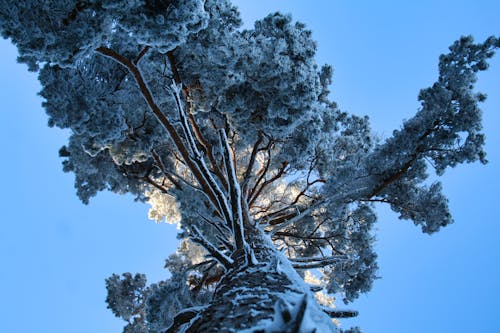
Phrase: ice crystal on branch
[231,134]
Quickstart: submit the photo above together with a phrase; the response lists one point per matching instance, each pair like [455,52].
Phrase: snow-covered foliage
[151,308]
[231,134]
[64,32]
[163,207]
[126,295]
[445,131]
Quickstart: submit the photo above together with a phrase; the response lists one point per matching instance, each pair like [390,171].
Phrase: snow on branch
[164,121]
[183,317]
[205,145]
[289,318]
[234,191]
[198,238]
[198,157]
[222,230]
[317,262]
[297,217]
[164,170]
[257,191]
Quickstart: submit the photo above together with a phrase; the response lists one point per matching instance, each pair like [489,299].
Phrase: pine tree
[231,134]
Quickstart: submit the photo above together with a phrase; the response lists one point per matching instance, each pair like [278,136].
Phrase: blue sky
[55,252]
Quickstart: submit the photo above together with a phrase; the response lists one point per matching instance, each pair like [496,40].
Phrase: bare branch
[164,170]
[251,163]
[261,173]
[141,54]
[155,184]
[336,313]
[266,183]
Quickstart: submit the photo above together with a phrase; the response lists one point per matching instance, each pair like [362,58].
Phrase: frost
[163,207]
[231,135]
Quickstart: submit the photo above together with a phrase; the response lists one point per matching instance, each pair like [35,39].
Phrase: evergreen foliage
[231,134]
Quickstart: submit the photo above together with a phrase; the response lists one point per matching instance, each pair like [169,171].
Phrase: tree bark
[263,297]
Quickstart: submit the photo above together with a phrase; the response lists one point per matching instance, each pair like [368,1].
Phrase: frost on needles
[231,134]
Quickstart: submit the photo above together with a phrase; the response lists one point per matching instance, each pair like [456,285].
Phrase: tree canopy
[231,134]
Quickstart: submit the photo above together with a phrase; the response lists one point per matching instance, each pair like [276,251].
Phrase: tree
[231,134]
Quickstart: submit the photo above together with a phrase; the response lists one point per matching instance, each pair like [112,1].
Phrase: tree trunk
[267,296]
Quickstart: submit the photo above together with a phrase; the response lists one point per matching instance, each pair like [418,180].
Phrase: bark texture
[249,295]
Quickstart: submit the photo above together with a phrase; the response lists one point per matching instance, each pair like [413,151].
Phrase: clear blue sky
[55,252]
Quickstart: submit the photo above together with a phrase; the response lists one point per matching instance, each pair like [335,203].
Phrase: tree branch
[266,183]
[397,175]
[207,149]
[317,262]
[222,237]
[335,313]
[164,170]
[251,163]
[198,238]
[206,146]
[199,161]
[234,191]
[298,216]
[278,216]
[146,93]
[141,54]
[155,184]
[261,173]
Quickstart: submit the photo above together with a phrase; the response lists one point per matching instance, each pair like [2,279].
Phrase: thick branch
[306,237]
[389,180]
[298,216]
[309,263]
[175,72]
[198,238]
[261,173]
[297,322]
[192,131]
[207,149]
[279,219]
[200,162]
[234,191]
[397,175]
[146,93]
[158,186]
